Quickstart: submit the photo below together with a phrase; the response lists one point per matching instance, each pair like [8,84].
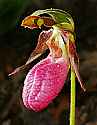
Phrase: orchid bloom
[46,79]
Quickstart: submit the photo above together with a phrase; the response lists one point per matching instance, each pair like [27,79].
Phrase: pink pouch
[43,83]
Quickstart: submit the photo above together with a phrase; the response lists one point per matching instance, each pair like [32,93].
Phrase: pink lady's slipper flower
[46,79]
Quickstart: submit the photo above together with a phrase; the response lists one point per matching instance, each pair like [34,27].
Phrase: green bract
[62,18]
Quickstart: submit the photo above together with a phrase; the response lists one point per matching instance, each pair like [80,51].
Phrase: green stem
[72,103]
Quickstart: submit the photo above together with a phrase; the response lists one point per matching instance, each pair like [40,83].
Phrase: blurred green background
[16,43]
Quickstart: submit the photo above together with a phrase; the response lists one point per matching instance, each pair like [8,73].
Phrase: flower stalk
[72,98]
